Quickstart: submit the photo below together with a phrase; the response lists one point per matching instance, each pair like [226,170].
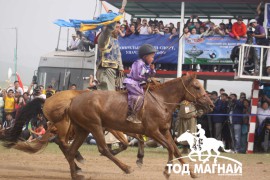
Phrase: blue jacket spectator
[236,107]
[220,108]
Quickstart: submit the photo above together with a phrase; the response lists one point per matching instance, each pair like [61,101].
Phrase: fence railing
[253,60]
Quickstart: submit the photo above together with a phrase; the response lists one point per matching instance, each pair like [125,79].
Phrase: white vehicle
[61,69]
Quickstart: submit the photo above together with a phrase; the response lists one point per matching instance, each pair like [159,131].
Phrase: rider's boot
[132,117]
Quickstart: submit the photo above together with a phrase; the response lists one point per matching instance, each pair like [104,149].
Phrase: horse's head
[194,92]
[186,136]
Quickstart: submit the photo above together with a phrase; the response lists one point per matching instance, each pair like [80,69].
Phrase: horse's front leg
[123,141]
[161,139]
[178,155]
[140,154]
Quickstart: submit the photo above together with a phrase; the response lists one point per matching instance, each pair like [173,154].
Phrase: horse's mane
[162,85]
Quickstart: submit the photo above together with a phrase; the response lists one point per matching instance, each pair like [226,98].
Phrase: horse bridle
[195,98]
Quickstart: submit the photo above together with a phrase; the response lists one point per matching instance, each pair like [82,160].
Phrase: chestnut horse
[90,112]
[54,110]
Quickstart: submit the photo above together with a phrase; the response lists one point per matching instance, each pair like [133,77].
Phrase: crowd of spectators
[13,98]
[194,28]
[229,121]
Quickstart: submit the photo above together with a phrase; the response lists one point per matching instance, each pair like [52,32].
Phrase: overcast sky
[37,35]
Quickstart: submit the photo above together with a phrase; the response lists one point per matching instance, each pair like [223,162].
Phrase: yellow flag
[87,27]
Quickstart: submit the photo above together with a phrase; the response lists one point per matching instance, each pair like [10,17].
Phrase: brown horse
[54,110]
[90,112]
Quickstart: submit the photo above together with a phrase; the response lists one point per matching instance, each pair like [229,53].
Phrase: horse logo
[201,144]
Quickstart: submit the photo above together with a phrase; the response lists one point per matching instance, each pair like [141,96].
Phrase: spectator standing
[77,44]
[73,42]
[235,108]
[221,91]
[174,33]
[9,100]
[221,30]
[209,30]
[194,34]
[202,30]
[144,28]
[138,22]
[37,93]
[16,88]
[122,30]
[155,29]
[263,112]
[245,125]
[42,89]
[50,90]
[186,32]
[239,28]
[26,97]
[19,102]
[214,96]
[259,33]
[161,26]
[220,108]
[186,120]
[130,30]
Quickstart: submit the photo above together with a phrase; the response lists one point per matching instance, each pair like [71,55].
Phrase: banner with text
[207,50]
[167,48]
[210,50]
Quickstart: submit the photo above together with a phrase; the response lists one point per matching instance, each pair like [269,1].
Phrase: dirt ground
[51,164]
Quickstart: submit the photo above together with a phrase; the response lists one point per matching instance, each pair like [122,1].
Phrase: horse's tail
[23,116]
[222,145]
[34,146]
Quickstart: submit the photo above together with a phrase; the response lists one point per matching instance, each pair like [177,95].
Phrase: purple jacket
[139,73]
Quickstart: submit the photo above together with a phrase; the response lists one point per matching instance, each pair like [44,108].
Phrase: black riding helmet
[146,49]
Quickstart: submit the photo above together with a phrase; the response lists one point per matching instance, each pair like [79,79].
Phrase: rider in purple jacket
[141,70]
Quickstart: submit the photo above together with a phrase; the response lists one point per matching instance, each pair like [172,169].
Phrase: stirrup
[132,118]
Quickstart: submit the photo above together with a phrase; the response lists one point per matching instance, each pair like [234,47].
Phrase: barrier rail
[260,60]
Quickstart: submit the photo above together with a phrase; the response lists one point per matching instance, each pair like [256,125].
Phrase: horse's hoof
[193,175]
[128,170]
[78,170]
[114,152]
[79,177]
[166,174]
[80,159]
[139,163]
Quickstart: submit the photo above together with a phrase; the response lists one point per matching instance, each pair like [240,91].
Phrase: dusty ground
[51,164]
